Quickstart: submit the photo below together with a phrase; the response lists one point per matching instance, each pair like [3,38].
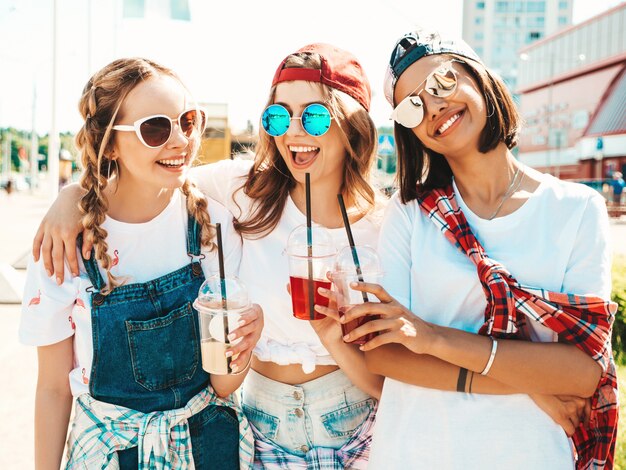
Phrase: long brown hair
[420,169]
[99,105]
[270,180]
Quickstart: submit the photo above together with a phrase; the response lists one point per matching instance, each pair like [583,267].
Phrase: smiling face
[159,168]
[453,124]
[323,156]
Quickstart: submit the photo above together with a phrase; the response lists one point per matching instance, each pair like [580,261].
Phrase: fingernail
[87,255]
[241,323]
[59,281]
[353,284]
[346,338]
[228,353]
[321,290]
[75,274]
[362,348]
[232,336]
[234,368]
[49,273]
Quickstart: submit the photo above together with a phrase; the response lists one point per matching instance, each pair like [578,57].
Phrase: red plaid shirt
[582,320]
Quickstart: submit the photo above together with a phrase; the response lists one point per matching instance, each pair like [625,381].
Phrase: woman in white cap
[478,364]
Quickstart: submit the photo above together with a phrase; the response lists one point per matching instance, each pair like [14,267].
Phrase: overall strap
[91,265]
[193,236]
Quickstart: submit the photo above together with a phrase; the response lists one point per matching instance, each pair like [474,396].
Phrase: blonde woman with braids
[123,330]
[308,395]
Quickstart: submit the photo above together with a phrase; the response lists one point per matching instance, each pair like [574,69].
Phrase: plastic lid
[210,293]
[322,242]
[369,261]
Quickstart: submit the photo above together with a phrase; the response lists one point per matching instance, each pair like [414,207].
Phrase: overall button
[196,269]
[304,448]
[297,395]
[299,413]
[98,299]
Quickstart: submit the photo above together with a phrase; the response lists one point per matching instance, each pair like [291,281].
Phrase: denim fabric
[325,412]
[147,355]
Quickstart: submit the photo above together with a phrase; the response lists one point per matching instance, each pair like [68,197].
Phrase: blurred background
[563,59]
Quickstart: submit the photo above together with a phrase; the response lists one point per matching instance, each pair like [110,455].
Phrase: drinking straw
[220,257]
[309,244]
[355,256]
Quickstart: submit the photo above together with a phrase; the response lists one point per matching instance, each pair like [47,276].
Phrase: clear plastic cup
[217,319]
[344,273]
[319,262]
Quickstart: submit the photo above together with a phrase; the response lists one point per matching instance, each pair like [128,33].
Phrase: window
[539,7]
[134,9]
[479,51]
[479,36]
[563,5]
[479,20]
[180,10]
[534,35]
[563,20]
[502,7]
[480,5]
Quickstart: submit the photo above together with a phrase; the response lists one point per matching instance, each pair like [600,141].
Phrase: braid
[197,206]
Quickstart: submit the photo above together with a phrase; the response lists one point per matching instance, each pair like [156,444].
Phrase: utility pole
[53,137]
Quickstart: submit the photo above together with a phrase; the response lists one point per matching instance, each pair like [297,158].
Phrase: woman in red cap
[494,334]
[309,395]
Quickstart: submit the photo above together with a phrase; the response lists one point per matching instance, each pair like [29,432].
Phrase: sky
[227,53]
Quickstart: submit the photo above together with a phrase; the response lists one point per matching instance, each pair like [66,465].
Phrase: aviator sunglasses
[315,120]
[154,131]
[440,83]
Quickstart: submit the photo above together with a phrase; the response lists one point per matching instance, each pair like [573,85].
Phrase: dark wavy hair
[420,169]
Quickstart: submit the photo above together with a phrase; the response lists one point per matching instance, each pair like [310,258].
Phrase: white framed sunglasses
[441,83]
[154,131]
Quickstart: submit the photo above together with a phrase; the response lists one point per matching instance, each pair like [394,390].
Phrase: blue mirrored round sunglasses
[315,120]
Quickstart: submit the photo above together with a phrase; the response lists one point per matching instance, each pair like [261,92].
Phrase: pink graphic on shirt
[116,258]
[72,322]
[85,379]
[80,303]
[35,300]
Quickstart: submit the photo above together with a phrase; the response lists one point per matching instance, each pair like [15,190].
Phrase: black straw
[220,257]
[355,256]
[309,245]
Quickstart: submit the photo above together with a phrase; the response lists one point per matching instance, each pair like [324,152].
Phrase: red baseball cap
[340,70]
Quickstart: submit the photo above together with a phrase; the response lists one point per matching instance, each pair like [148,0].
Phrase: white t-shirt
[558,241]
[145,251]
[265,271]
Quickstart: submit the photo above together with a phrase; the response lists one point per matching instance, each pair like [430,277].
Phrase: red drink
[300,297]
[351,325]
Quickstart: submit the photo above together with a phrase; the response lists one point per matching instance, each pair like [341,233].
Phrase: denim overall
[146,355]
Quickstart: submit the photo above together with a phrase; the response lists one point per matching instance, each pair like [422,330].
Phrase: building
[497,29]
[572,88]
[216,140]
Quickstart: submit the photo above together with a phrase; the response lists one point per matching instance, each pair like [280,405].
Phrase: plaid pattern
[582,320]
[101,429]
[353,455]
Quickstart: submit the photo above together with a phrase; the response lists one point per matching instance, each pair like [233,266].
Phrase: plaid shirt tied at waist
[582,320]
[101,429]
[353,455]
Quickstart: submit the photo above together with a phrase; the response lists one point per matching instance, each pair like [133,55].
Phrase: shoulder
[218,213]
[395,208]
[570,196]
[223,168]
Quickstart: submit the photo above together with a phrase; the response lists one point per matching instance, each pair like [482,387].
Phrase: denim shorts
[325,412]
